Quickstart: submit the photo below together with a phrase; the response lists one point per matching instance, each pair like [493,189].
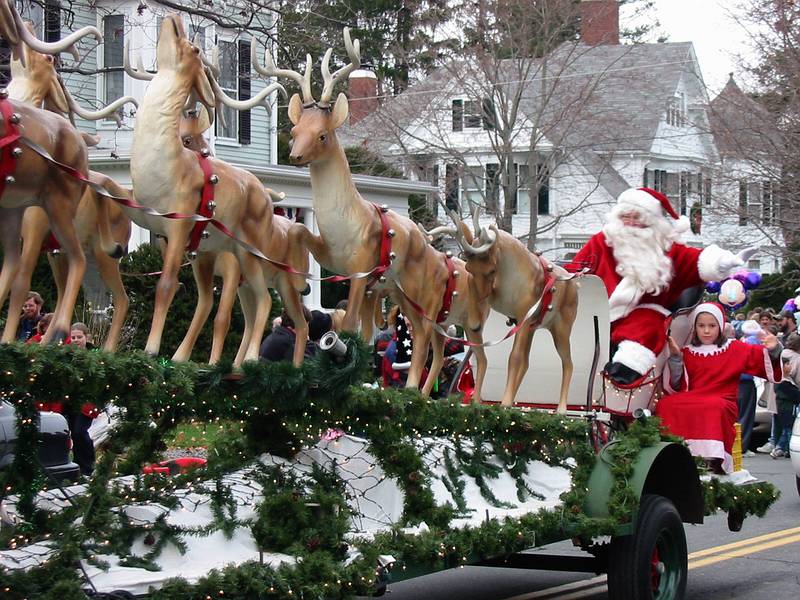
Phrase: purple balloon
[790,305]
[713,287]
[753,280]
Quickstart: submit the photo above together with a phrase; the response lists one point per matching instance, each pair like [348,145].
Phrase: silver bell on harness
[205,235]
[213,179]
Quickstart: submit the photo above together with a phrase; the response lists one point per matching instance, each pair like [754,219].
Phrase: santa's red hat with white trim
[654,204]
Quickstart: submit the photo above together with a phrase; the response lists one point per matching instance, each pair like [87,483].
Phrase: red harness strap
[205,208]
[386,245]
[447,300]
[546,303]
[8,150]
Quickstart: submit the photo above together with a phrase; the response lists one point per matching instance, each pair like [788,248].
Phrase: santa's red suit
[638,317]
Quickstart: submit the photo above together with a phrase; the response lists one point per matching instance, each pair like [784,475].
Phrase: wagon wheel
[650,564]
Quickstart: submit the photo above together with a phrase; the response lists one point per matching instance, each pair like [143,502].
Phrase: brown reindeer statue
[167,177]
[35,81]
[354,234]
[31,180]
[513,279]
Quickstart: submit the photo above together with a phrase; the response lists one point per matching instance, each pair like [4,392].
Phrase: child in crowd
[702,382]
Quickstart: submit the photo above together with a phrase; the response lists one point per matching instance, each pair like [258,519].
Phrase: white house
[596,117]
[248,139]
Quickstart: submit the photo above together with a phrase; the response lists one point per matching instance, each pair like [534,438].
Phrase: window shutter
[244,90]
[458,115]
[52,21]
[489,116]
[5,59]
[543,197]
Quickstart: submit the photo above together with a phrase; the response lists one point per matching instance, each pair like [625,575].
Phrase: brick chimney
[599,22]
[363,94]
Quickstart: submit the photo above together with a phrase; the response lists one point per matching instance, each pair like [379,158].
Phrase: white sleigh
[589,390]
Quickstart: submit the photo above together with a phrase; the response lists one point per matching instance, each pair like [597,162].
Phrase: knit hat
[319,325]
[715,310]
[654,204]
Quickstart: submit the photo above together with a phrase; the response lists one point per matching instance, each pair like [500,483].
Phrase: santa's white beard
[640,253]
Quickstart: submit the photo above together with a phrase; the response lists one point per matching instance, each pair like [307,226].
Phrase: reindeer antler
[136,73]
[270,70]
[259,99]
[110,110]
[66,44]
[353,52]
[488,237]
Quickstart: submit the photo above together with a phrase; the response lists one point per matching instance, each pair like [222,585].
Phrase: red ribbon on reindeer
[206,206]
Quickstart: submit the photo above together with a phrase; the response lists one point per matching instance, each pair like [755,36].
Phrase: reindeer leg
[248,301]
[106,240]
[561,329]
[294,306]
[60,200]
[517,364]
[482,363]
[437,341]
[167,284]
[35,227]
[254,273]
[368,315]
[228,267]
[354,301]
[421,336]
[10,225]
[109,273]
[203,269]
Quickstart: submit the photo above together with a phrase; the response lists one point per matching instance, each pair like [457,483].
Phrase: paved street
[760,562]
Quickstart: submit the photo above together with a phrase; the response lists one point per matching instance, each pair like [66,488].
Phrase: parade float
[326,485]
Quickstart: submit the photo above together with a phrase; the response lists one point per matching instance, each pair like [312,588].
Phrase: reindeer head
[315,122]
[480,254]
[14,31]
[35,80]
[177,55]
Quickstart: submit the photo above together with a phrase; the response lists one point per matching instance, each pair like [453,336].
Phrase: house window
[474,186]
[684,191]
[458,115]
[742,203]
[113,41]
[473,114]
[522,203]
[676,115]
[228,76]
[707,191]
[492,183]
[451,187]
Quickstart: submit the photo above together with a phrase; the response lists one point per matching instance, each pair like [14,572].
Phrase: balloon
[753,280]
[732,293]
[713,287]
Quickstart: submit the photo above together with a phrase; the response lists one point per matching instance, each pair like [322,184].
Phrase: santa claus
[645,269]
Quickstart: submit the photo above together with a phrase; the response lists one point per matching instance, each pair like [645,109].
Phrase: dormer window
[472,114]
[676,111]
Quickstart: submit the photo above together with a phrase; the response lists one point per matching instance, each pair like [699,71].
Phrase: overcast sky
[716,36]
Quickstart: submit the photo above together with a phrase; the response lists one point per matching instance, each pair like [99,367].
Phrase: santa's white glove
[734,261]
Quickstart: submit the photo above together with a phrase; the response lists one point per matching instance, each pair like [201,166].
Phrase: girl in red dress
[702,382]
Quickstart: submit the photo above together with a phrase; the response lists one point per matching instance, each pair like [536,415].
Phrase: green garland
[282,409]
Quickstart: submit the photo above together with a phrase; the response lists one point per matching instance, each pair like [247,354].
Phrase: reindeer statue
[513,280]
[167,177]
[29,178]
[355,232]
[34,80]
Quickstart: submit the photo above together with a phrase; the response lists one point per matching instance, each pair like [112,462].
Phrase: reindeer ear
[295,109]
[340,111]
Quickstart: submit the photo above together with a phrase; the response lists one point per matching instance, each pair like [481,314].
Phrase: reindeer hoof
[561,410]
[59,337]
[306,290]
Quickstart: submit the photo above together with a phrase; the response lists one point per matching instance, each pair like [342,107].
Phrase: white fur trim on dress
[708,263]
[623,299]
[634,356]
[711,449]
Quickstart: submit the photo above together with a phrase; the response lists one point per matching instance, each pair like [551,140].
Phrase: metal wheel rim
[665,580]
